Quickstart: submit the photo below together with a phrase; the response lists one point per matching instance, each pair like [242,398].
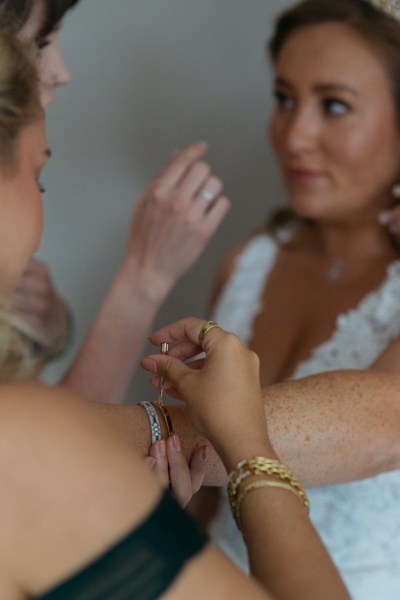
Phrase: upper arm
[70,486]
[213,576]
[389,360]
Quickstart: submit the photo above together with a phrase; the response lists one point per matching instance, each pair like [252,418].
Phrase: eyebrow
[322,87]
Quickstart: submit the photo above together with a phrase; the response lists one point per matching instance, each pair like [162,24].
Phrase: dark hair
[19,100]
[15,13]
[380,31]
[56,10]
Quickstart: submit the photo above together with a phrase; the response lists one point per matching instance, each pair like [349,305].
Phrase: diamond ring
[207,195]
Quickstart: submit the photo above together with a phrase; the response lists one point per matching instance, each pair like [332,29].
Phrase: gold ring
[206,328]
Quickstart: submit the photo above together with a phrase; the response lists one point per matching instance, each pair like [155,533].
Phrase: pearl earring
[396,190]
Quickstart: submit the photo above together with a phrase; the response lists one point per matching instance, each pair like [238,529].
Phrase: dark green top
[143,564]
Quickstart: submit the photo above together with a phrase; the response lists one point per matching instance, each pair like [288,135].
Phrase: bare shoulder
[226,270]
[28,407]
[69,485]
[53,432]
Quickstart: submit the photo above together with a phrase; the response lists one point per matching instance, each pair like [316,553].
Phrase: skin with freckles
[335,133]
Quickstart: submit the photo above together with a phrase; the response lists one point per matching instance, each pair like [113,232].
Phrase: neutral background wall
[150,76]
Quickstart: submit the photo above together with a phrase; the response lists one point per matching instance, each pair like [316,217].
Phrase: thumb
[168,367]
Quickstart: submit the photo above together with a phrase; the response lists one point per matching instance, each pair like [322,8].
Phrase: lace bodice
[359,521]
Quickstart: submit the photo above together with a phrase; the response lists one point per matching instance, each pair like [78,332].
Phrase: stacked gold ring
[206,328]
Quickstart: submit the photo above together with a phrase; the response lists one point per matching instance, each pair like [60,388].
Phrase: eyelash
[328,102]
[285,102]
[41,44]
[281,98]
[42,189]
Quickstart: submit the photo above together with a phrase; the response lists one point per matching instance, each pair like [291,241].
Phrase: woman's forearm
[329,428]
[336,427]
[105,364]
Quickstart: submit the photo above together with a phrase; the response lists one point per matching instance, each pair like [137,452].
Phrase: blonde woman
[171,225]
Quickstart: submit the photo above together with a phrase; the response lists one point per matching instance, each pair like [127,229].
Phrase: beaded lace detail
[359,521]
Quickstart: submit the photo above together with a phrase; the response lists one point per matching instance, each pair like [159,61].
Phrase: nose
[301,131]
[53,70]
[60,73]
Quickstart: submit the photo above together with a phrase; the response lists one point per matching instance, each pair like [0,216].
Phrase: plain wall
[150,76]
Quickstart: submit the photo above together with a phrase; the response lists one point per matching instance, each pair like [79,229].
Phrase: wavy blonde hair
[21,347]
[19,106]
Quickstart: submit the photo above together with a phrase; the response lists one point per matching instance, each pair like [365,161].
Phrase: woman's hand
[171,468]
[175,219]
[36,298]
[223,392]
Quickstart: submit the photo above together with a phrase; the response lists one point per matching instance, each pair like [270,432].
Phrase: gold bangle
[167,418]
[255,485]
[261,466]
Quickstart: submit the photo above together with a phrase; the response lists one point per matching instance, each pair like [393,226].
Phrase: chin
[46,97]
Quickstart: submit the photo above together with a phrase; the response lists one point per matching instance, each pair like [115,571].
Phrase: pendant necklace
[335,269]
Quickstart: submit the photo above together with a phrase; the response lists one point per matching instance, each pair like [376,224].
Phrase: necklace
[335,269]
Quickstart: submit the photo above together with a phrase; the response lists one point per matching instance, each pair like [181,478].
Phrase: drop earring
[396,190]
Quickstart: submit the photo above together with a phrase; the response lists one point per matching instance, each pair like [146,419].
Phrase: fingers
[187,329]
[34,293]
[391,220]
[198,467]
[169,464]
[185,481]
[158,452]
[178,166]
[192,184]
[171,369]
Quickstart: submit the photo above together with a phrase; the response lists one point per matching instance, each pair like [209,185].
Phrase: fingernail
[205,454]
[384,217]
[176,443]
[161,450]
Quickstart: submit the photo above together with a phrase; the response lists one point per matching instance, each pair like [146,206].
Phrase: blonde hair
[19,106]
[21,355]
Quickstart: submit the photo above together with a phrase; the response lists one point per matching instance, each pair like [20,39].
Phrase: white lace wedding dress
[359,521]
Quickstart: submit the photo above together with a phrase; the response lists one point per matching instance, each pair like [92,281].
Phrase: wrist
[233,453]
[145,283]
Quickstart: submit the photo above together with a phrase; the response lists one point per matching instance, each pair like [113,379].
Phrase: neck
[346,242]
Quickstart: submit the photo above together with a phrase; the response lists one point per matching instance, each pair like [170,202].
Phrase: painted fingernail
[205,453]
[176,443]
[160,448]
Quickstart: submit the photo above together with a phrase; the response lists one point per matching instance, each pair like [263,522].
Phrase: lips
[303,176]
